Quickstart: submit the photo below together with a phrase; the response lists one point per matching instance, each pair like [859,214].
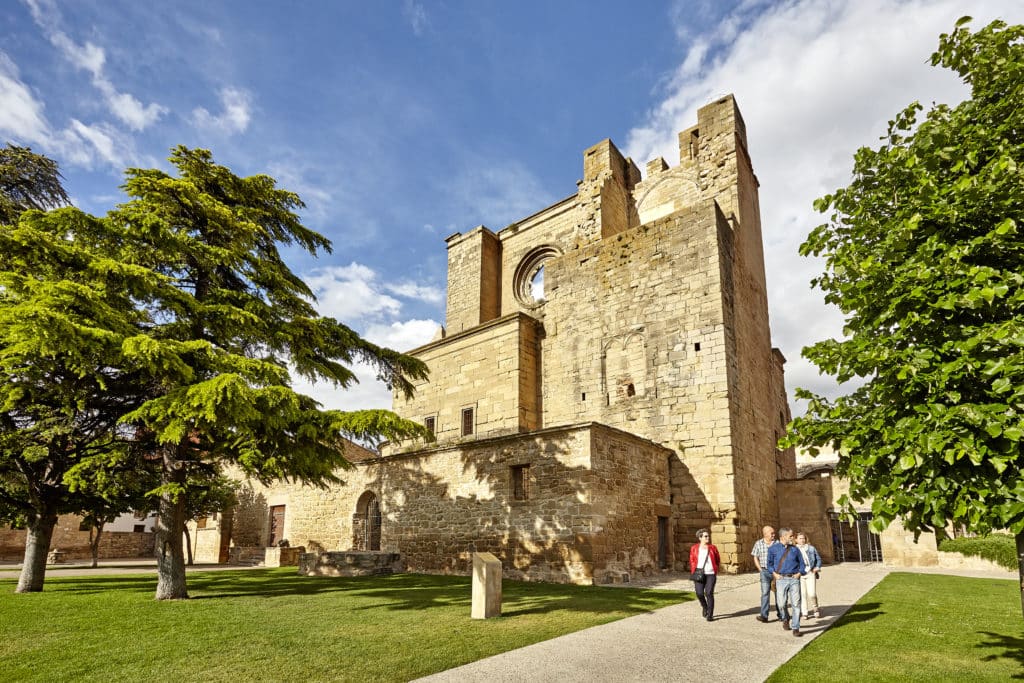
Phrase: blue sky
[399,123]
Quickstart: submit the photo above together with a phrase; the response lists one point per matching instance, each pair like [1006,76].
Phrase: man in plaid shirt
[760,554]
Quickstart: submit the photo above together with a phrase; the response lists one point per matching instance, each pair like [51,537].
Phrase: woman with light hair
[809,581]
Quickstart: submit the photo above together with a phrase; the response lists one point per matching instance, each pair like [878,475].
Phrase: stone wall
[68,538]
[349,564]
[901,549]
[593,495]
[803,507]
[491,369]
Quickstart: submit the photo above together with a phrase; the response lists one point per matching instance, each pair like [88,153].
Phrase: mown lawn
[272,624]
[920,627]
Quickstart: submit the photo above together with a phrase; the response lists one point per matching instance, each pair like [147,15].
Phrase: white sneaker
[817,614]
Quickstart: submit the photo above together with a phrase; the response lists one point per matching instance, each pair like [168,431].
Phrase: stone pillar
[486,586]
[474,279]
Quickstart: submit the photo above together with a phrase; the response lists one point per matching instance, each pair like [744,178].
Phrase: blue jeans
[789,591]
[766,590]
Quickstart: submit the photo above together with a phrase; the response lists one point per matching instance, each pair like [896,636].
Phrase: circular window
[529,276]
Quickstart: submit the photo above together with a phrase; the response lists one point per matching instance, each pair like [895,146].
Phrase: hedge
[1000,548]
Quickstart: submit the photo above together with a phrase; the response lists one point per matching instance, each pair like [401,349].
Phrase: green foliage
[924,256]
[159,338]
[27,181]
[999,548]
[228,318]
[276,625]
[65,307]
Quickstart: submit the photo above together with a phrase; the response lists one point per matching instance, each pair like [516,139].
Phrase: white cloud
[92,58]
[22,120]
[354,295]
[404,335]
[102,140]
[21,114]
[234,117]
[416,15]
[413,290]
[370,392]
[814,80]
[351,294]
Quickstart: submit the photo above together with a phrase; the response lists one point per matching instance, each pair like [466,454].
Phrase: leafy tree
[65,308]
[108,487]
[225,321]
[924,256]
[28,181]
[164,332]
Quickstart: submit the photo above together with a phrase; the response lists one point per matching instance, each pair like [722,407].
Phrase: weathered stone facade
[605,385]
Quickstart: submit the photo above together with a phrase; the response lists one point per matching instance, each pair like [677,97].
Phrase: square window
[520,475]
[467,421]
[138,528]
[201,523]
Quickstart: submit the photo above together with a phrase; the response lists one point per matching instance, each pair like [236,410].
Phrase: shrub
[1000,548]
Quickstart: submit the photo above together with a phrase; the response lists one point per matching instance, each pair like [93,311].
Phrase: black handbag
[697,576]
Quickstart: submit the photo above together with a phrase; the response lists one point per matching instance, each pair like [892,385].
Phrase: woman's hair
[799,534]
[701,532]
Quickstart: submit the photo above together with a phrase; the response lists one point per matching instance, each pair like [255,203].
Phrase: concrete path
[675,643]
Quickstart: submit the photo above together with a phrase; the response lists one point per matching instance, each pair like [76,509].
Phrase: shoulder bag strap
[778,567]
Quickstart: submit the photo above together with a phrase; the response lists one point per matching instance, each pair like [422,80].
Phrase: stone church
[604,385]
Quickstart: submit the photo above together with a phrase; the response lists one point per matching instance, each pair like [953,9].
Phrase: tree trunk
[37,545]
[188,547]
[1020,567]
[170,557]
[94,543]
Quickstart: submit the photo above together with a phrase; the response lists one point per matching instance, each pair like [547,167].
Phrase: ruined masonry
[604,386]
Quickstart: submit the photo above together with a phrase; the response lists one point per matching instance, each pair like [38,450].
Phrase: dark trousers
[706,593]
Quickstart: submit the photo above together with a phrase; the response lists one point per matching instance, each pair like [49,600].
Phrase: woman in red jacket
[705,556]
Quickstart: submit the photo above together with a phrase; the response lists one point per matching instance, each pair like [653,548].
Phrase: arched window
[529,280]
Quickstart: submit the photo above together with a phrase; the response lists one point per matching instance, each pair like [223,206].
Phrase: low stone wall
[247,554]
[350,563]
[283,557]
[74,544]
[970,563]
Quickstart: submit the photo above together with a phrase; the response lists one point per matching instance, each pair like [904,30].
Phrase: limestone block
[486,586]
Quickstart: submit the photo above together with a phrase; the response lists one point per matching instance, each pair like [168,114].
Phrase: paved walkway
[675,642]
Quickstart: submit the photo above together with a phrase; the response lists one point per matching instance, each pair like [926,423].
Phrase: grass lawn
[271,624]
[920,627]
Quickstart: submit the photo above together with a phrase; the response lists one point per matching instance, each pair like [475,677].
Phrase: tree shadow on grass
[393,592]
[1012,647]
[860,612]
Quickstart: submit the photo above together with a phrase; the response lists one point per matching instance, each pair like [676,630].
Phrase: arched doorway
[366,523]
